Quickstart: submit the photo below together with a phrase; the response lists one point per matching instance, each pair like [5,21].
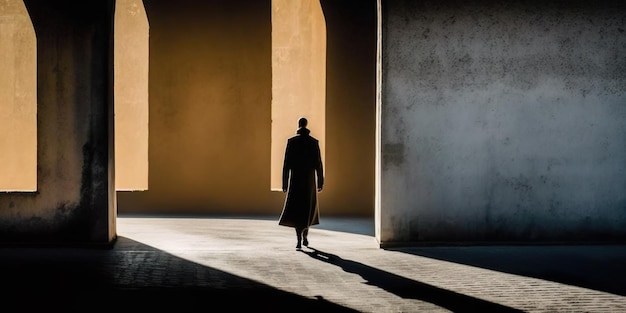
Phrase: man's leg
[305,240]
[299,236]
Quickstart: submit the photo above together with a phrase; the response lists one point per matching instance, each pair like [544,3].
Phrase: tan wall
[350,105]
[18,99]
[298,76]
[131,95]
[210,112]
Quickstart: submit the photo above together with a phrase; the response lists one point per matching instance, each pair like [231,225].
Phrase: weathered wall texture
[210,92]
[75,197]
[503,121]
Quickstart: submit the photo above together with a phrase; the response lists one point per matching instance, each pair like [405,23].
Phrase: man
[303,178]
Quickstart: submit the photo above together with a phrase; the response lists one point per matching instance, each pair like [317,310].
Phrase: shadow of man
[410,289]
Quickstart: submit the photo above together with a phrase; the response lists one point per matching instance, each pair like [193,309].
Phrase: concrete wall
[75,198]
[503,121]
[210,98]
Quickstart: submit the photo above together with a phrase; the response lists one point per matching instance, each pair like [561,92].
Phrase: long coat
[302,175]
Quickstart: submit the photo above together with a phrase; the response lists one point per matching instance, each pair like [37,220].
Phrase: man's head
[302,122]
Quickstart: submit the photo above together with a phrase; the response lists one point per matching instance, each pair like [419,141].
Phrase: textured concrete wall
[503,121]
[210,95]
[75,199]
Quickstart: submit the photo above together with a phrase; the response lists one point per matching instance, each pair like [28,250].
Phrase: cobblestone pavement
[224,264]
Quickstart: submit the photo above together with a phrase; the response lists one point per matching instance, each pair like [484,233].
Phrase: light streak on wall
[18,98]
[131,95]
[298,75]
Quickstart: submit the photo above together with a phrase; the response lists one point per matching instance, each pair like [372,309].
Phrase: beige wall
[210,95]
[298,76]
[18,98]
[131,95]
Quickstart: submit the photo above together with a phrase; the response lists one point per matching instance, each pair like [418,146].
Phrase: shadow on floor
[137,278]
[598,267]
[410,289]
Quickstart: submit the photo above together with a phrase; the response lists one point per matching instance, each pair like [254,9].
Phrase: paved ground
[223,264]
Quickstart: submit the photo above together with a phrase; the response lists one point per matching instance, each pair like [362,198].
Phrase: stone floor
[247,264]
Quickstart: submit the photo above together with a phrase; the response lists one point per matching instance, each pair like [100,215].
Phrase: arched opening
[131,63]
[18,94]
[298,75]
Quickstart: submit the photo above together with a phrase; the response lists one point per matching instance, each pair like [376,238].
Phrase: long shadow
[411,289]
[598,267]
[133,278]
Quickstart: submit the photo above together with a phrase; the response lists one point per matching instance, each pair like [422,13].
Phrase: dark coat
[301,168]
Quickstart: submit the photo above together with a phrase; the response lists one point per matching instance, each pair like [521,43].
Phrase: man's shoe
[299,246]
[305,242]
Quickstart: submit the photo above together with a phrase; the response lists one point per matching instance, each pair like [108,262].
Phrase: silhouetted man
[303,178]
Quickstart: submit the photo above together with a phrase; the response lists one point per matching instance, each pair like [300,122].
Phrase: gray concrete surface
[235,264]
[503,121]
